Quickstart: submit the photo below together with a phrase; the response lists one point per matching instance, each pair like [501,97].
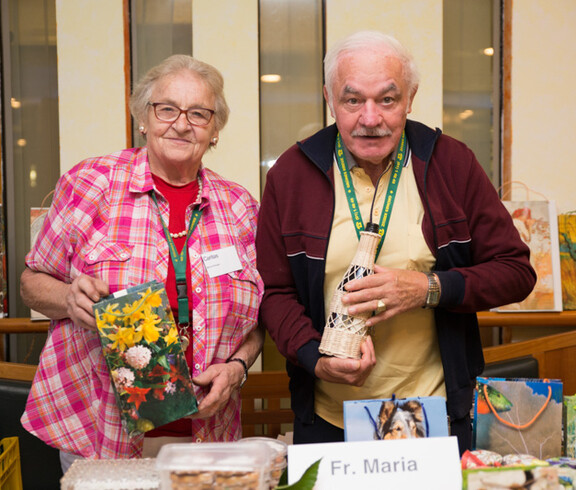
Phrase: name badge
[221,261]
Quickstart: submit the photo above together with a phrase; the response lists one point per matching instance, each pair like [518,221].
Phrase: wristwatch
[241,361]
[433,295]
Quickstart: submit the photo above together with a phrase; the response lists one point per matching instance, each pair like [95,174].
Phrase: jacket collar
[422,139]
[319,147]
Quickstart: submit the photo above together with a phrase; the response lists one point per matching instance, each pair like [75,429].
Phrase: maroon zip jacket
[480,259]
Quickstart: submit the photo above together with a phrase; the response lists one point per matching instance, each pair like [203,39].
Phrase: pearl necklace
[183,233]
[179,235]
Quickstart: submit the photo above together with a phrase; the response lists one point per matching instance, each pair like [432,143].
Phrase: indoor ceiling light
[270,78]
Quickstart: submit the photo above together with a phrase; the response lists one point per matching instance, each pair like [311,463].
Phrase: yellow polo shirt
[407,354]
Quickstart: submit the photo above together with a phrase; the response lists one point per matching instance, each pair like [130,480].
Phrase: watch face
[433,299]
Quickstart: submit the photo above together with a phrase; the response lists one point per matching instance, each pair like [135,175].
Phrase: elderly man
[449,249]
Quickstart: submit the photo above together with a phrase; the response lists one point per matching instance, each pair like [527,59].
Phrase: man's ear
[328,101]
[412,95]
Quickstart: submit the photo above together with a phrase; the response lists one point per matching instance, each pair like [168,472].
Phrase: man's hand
[348,371]
[399,290]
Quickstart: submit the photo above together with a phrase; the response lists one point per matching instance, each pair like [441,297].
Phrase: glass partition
[159,28]
[472,78]
[291,54]
[30,141]
[30,145]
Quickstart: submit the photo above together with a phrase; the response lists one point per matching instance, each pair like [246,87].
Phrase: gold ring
[381,306]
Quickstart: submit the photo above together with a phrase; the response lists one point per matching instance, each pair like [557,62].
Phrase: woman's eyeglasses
[197,116]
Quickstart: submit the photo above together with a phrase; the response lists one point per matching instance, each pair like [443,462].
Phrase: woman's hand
[57,300]
[82,294]
[220,381]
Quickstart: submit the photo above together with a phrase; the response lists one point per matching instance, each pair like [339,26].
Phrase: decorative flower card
[142,348]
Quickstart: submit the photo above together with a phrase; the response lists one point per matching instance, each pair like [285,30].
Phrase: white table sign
[431,463]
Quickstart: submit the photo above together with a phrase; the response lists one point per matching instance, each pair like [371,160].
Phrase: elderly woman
[112,224]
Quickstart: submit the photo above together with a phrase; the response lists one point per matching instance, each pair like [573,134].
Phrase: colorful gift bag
[395,418]
[518,416]
[567,240]
[537,224]
[143,351]
[37,217]
[570,426]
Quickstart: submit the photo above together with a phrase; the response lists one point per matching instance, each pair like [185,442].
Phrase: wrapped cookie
[480,458]
[522,460]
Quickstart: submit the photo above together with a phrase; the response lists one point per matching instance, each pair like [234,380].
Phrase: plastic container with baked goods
[215,465]
[278,453]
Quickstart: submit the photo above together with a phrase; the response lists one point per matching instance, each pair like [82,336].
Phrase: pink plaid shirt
[103,223]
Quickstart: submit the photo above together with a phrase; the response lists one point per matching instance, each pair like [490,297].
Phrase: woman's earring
[214,141]
[141,129]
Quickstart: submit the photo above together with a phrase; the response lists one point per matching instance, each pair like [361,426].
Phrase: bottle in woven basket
[343,333]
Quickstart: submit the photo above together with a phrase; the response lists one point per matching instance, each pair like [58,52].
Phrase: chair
[519,367]
[556,356]
[265,405]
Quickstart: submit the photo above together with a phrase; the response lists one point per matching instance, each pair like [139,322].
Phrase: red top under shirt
[179,198]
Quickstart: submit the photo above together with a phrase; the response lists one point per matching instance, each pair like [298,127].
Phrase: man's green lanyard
[401,155]
[179,261]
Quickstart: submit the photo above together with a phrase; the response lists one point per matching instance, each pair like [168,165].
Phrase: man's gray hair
[174,64]
[369,39]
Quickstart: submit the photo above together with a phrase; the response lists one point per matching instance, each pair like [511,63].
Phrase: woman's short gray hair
[173,64]
[369,39]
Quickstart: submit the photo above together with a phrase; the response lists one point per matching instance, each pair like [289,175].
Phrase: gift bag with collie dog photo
[518,416]
[395,418]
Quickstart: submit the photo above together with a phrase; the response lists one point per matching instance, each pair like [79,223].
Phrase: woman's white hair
[363,40]
[174,64]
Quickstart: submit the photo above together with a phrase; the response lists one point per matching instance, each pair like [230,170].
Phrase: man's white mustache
[374,132]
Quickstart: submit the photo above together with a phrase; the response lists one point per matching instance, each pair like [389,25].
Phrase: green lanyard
[179,261]
[401,155]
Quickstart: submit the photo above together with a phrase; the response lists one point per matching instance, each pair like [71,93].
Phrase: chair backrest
[266,405]
[16,371]
[518,367]
[556,355]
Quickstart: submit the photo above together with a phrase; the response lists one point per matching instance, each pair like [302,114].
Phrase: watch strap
[244,365]
[433,294]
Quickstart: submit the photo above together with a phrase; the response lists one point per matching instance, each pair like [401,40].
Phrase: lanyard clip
[182,289]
